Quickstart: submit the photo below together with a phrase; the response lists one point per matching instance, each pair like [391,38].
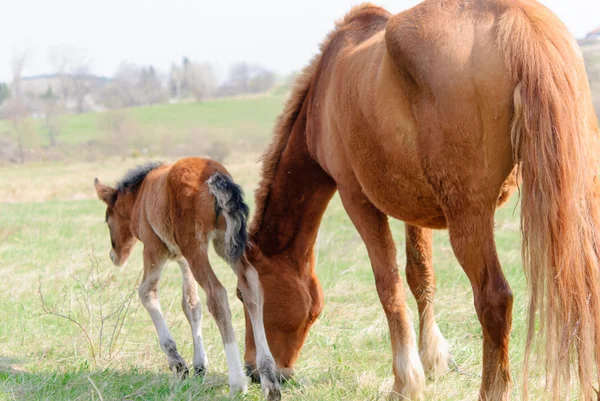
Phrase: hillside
[159,128]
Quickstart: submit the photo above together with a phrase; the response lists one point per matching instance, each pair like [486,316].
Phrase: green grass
[347,354]
[255,114]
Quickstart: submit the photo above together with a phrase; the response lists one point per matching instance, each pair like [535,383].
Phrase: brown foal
[176,211]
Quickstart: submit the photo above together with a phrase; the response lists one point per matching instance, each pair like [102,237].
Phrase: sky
[278,34]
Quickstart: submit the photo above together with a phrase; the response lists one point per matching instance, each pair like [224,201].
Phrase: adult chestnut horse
[422,116]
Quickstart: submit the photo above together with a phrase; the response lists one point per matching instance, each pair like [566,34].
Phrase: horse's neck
[298,198]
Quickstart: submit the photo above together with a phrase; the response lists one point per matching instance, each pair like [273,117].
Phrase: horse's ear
[105,193]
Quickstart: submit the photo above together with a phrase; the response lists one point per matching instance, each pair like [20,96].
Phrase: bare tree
[16,112]
[240,77]
[134,86]
[81,86]
[192,80]
[15,109]
[52,108]
[18,63]
[245,78]
[73,71]
[61,58]
[151,87]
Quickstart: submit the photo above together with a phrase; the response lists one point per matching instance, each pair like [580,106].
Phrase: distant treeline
[74,89]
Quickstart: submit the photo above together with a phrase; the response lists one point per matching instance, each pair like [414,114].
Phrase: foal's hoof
[180,369]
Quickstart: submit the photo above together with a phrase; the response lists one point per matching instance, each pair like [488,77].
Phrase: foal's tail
[554,135]
[229,199]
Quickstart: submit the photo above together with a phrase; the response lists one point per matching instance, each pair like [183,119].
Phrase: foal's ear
[105,193]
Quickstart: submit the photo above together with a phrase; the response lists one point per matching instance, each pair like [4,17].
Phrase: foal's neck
[299,195]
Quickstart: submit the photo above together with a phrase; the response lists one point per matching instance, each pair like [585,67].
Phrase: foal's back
[176,199]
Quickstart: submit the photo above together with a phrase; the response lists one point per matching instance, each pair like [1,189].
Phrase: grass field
[52,236]
[226,118]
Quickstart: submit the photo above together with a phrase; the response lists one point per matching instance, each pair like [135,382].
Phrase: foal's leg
[433,347]
[472,238]
[374,230]
[148,291]
[218,306]
[249,286]
[190,303]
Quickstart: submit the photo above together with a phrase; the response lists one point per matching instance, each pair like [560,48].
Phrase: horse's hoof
[273,395]
[271,390]
[200,370]
[180,369]
[252,373]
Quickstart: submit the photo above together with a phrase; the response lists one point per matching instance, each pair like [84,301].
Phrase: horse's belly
[405,198]
[388,173]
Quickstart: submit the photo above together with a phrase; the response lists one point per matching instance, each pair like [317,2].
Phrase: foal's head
[119,205]
[118,219]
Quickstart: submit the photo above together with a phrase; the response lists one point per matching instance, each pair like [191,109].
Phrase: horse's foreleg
[433,347]
[148,292]
[472,239]
[374,229]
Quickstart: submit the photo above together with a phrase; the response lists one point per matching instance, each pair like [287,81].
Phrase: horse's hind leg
[472,238]
[190,303]
[148,292]
[374,230]
[433,347]
[218,306]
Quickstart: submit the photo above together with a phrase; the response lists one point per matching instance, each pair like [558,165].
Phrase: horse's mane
[286,120]
[133,178]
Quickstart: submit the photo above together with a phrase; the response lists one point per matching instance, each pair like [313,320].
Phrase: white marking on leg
[149,297]
[238,382]
[219,308]
[434,347]
[249,284]
[408,367]
[193,311]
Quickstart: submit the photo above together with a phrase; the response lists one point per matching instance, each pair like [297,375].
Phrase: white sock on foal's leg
[191,306]
[238,382]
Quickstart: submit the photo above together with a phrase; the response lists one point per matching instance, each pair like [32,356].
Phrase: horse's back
[362,130]
[459,87]
[430,105]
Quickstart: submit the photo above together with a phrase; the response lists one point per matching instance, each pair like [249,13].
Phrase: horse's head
[293,300]
[118,219]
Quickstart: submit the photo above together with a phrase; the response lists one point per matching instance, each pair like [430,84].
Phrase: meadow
[54,261]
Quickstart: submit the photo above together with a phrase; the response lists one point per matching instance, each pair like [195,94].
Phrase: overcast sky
[281,35]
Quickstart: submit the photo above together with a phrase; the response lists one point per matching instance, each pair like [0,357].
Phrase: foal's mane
[133,178]
[286,120]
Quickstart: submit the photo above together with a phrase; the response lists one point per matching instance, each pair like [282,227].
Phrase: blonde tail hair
[554,136]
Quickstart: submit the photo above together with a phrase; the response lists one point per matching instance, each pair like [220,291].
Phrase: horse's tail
[554,135]
[229,200]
